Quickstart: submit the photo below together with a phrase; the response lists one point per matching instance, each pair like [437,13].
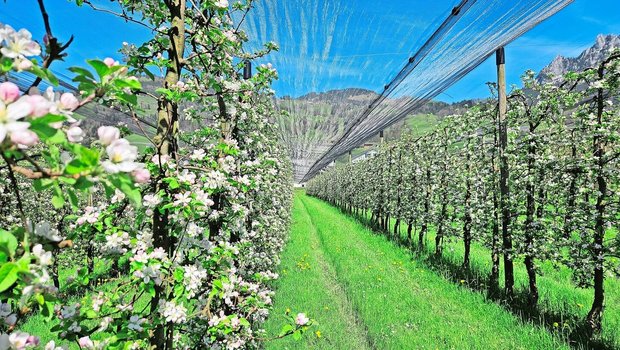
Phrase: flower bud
[40,105]
[141,175]
[69,101]
[108,134]
[9,92]
[110,62]
[22,64]
[24,138]
[75,134]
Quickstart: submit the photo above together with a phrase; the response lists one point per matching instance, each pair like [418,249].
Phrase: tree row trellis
[562,195]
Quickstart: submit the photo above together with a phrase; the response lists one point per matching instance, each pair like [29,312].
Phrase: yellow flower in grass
[318,334]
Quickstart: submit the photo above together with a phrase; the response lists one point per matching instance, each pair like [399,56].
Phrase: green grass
[378,296]
[562,306]
[307,284]
[422,124]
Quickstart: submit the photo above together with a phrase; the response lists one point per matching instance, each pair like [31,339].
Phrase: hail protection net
[349,69]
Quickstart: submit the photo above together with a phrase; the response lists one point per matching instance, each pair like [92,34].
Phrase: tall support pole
[381,136]
[247,70]
[504,173]
[350,156]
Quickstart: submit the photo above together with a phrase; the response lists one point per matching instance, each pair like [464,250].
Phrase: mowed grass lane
[383,299]
[307,284]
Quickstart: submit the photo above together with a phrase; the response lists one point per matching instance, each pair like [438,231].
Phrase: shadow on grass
[567,326]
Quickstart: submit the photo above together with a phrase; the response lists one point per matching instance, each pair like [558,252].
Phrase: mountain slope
[591,57]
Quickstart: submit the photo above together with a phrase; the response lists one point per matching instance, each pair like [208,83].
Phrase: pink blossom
[221,4]
[9,92]
[32,341]
[75,134]
[24,138]
[301,319]
[108,134]
[20,44]
[110,62]
[141,175]
[11,115]
[69,101]
[86,342]
[121,156]
[22,64]
[163,159]
[40,105]
[18,340]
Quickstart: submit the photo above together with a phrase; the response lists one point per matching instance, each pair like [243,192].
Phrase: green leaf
[58,201]
[82,72]
[44,74]
[133,84]
[8,275]
[44,131]
[178,274]
[150,288]
[76,166]
[58,138]
[128,98]
[48,310]
[6,64]
[286,329]
[83,183]
[42,184]
[8,245]
[73,199]
[172,183]
[48,118]
[101,68]
[178,290]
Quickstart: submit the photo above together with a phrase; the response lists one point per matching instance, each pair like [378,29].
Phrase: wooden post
[350,157]
[504,172]
[381,136]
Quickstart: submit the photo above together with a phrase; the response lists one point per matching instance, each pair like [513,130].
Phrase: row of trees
[563,185]
[172,248]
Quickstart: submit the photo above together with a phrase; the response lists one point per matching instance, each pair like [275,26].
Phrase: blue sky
[362,47]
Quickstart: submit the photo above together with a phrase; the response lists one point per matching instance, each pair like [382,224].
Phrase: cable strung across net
[328,45]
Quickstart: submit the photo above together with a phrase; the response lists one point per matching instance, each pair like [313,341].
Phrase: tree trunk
[467,220]
[409,228]
[494,277]
[572,197]
[529,221]
[396,228]
[440,231]
[596,312]
[165,139]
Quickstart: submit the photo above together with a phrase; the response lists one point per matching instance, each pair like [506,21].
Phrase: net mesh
[349,69]
[339,44]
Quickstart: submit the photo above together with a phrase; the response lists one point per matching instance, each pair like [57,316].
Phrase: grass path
[367,293]
[308,285]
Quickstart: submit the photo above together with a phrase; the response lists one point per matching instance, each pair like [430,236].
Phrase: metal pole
[350,156]
[381,136]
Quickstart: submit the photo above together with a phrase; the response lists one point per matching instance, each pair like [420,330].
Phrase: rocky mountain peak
[590,57]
